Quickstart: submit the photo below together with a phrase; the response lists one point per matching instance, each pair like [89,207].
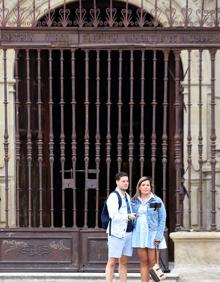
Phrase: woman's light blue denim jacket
[156,218]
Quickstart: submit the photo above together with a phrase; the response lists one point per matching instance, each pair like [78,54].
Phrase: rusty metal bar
[64,18]
[111,14]
[80,14]
[62,134]
[125,14]
[154,104]
[29,139]
[34,20]
[108,136]
[17,140]
[18,16]
[50,19]
[74,142]
[142,15]
[6,140]
[97,136]
[40,136]
[131,133]
[186,15]
[95,19]
[86,136]
[165,118]
[200,144]
[3,13]
[142,104]
[213,142]
[177,140]
[119,136]
[202,14]
[51,139]
[216,14]
[189,140]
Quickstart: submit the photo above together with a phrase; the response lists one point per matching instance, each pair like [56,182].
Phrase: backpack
[104,214]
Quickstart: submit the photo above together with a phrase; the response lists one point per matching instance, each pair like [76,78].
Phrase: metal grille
[90,102]
[113,14]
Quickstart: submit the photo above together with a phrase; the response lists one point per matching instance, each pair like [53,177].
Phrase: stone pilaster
[197,256]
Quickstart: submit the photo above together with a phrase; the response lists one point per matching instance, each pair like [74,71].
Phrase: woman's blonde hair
[141,180]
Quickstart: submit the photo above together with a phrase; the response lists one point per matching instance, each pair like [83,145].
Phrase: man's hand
[131,216]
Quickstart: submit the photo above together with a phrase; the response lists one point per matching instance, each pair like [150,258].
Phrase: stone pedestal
[197,256]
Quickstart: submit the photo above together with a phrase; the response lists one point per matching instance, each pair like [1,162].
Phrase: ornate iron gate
[98,89]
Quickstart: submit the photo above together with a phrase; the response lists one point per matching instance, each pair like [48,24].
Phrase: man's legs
[122,269]
[110,267]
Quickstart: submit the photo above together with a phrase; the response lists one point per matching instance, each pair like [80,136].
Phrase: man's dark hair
[120,174]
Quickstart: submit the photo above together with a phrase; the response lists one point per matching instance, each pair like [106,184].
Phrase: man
[120,229]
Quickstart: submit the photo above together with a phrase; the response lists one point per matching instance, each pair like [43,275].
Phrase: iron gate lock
[91,183]
[68,183]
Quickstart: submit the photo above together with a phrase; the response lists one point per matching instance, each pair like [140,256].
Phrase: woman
[149,225]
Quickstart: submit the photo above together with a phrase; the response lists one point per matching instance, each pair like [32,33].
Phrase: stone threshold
[69,277]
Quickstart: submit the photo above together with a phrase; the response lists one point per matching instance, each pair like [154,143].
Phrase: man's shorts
[118,247]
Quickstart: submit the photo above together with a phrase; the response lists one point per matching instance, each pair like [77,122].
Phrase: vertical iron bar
[131,134]
[6,139]
[74,143]
[111,15]
[95,20]
[177,145]
[142,104]
[49,23]
[142,20]
[200,145]
[119,137]
[202,13]
[108,136]
[34,22]
[18,14]
[189,139]
[62,135]
[97,137]
[154,104]
[3,13]
[64,21]
[186,16]
[40,136]
[17,140]
[29,137]
[216,14]
[213,142]
[165,118]
[170,9]
[80,14]
[126,14]
[51,139]
[155,15]
[86,136]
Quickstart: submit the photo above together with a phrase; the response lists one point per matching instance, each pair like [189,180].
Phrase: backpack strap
[119,199]
[119,206]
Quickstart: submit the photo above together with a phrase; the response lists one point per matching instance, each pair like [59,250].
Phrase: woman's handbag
[156,272]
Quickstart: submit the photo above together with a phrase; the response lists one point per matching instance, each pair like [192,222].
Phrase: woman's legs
[147,260]
[151,257]
[143,256]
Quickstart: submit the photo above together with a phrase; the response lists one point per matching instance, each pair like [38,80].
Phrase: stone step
[70,277]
